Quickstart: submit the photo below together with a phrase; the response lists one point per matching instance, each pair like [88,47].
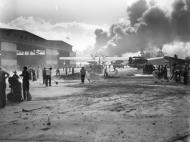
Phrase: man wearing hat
[3,76]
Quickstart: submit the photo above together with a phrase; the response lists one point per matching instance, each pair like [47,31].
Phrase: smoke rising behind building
[147,25]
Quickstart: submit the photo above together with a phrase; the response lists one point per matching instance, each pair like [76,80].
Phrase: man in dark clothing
[37,72]
[25,75]
[83,73]
[44,75]
[48,77]
[3,76]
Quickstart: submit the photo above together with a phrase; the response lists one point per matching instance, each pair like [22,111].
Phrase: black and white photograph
[94,70]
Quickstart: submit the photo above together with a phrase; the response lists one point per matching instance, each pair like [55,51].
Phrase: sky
[73,21]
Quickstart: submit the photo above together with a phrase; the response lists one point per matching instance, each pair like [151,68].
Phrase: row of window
[35,52]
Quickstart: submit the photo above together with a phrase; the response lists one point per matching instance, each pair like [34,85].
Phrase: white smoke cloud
[179,48]
[80,35]
[131,54]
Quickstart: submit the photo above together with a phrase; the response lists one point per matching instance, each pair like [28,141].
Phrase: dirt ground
[127,109]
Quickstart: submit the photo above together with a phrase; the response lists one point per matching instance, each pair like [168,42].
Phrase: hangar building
[20,48]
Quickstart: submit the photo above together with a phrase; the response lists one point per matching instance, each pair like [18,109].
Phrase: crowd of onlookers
[20,91]
[176,73]
[16,88]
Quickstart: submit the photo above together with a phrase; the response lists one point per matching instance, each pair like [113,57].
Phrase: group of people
[33,73]
[20,91]
[161,72]
[177,73]
[16,88]
[87,74]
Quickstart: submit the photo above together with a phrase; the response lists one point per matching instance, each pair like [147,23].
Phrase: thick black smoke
[136,11]
[150,26]
[180,20]
[154,27]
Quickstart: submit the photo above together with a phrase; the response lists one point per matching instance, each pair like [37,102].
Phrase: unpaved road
[132,109]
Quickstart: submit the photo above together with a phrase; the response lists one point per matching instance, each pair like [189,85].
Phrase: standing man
[48,77]
[105,72]
[82,73]
[38,72]
[44,75]
[3,76]
[25,84]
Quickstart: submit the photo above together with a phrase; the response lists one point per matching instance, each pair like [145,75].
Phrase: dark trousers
[48,80]
[82,78]
[25,93]
[2,94]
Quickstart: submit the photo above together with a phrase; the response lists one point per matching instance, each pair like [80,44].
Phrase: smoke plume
[148,26]
[136,11]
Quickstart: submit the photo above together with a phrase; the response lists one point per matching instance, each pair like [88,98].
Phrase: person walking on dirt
[3,76]
[44,75]
[82,74]
[105,72]
[48,77]
[38,72]
[25,83]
